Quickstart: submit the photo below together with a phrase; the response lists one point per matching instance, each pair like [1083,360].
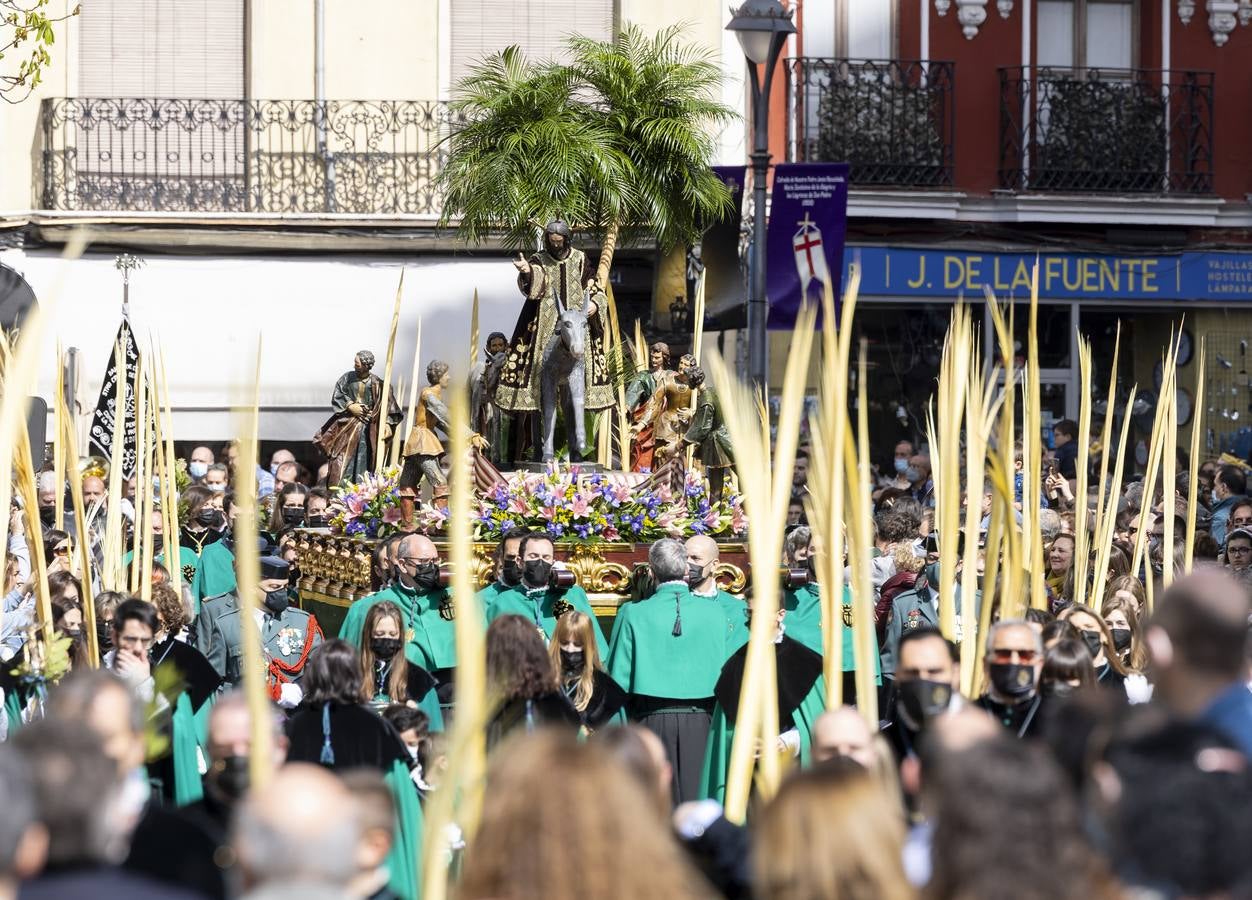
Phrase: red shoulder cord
[279,670]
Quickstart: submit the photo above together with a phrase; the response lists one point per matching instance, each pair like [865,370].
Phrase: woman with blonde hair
[593,837]
[387,675]
[830,832]
[598,698]
[1129,588]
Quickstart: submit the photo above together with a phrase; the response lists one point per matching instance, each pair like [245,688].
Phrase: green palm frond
[620,363]
[622,136]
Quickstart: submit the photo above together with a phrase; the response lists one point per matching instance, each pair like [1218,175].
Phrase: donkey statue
[564,365]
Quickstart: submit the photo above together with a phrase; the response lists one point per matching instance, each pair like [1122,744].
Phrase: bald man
[702,560]
[1198,642]
[298,834]
[843,732]
[426,606]
[93,490]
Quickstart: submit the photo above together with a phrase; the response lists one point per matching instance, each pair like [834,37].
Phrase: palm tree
[618,142]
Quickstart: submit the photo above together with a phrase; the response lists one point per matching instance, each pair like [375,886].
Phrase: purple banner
[808,220]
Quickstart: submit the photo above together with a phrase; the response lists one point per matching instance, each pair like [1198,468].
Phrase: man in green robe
[508,569]
[288,636]
[216,573]
[708,434]
[667,653]
[801,699]
[703,557]
[535,600]
[416,590]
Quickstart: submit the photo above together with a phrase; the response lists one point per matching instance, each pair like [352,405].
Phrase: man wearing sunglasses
[1012,665]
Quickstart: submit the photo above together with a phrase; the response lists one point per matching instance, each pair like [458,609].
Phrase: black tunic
[546,709]
[798,670]
[359,738]
[200,680]
[607,699]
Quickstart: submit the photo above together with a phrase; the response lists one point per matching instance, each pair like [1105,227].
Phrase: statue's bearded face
[557,245]
[360,367]
[497,345]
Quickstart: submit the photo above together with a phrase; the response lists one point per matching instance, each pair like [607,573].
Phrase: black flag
[103,422]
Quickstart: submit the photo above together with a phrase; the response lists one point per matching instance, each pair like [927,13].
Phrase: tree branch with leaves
[26,30]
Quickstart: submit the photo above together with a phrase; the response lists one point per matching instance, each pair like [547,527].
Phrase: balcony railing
[892,120]
[276,156]
[1103,130]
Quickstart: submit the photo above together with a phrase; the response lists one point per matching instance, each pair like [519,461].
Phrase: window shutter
[483,27]
[161,48]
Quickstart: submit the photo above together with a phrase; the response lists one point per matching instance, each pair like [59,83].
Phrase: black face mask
[293,515]
[1121,639]
[572,660]
[293,575]
[426,576]
[385,648]
[811,565]
[511,573]
[317,520]
[209,517]
[695,574]
[228,778]
[921,700]
[158,542]
[277,601]
[1058,689]
[536,573]
[104,636]
[48,514]
[1013,679]
[1093,642]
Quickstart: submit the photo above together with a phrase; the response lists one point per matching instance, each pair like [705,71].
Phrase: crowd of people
[1104,751]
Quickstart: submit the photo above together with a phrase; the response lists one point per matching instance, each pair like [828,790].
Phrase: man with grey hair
[667,652]
[297,836]
[1012,664]
[81,804]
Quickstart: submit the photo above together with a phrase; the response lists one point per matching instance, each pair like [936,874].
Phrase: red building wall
[998,43]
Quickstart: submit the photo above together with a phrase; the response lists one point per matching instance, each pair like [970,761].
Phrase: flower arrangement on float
[572,507]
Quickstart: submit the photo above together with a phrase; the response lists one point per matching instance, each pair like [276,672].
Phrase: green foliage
[619,139]
[620,361]
[29,29]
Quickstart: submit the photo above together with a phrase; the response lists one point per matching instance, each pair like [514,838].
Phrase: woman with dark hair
[387,675]
[524,680]
[67,615]
[1011,827]
[333,728]
[289,508]
[1122,619]
[57,548]
[597,697]
[1108,665]
[203,520]
[1066,668]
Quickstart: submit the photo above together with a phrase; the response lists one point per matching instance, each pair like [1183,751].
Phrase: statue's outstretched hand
[592,309]
[521,264]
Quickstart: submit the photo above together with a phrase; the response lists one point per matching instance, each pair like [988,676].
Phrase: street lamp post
[762,27]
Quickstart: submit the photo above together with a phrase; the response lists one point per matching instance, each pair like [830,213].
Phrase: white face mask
[217,488]
[197,469]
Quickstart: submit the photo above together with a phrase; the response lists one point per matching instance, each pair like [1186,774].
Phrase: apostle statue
[668,415]
[638,392]
[553,280]
[484,379]
[708,434]
[350,436]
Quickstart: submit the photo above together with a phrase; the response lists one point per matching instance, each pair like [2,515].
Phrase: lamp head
[761,27]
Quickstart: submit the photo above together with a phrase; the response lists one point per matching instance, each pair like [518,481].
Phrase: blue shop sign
[901,272]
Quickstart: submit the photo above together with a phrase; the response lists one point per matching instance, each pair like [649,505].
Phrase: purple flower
[556,530]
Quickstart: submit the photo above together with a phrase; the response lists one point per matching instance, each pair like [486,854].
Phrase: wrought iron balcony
[892,120]
[277,156]
[1104,130]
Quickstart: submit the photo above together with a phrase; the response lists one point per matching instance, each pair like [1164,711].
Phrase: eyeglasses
[418,561]
[61,551]
[1011,655]
[1241,522]
[1238,551]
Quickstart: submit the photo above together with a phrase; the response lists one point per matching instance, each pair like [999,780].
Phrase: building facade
[273,162]
[1107,138]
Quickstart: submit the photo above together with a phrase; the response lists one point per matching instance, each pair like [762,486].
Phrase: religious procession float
[565,360]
